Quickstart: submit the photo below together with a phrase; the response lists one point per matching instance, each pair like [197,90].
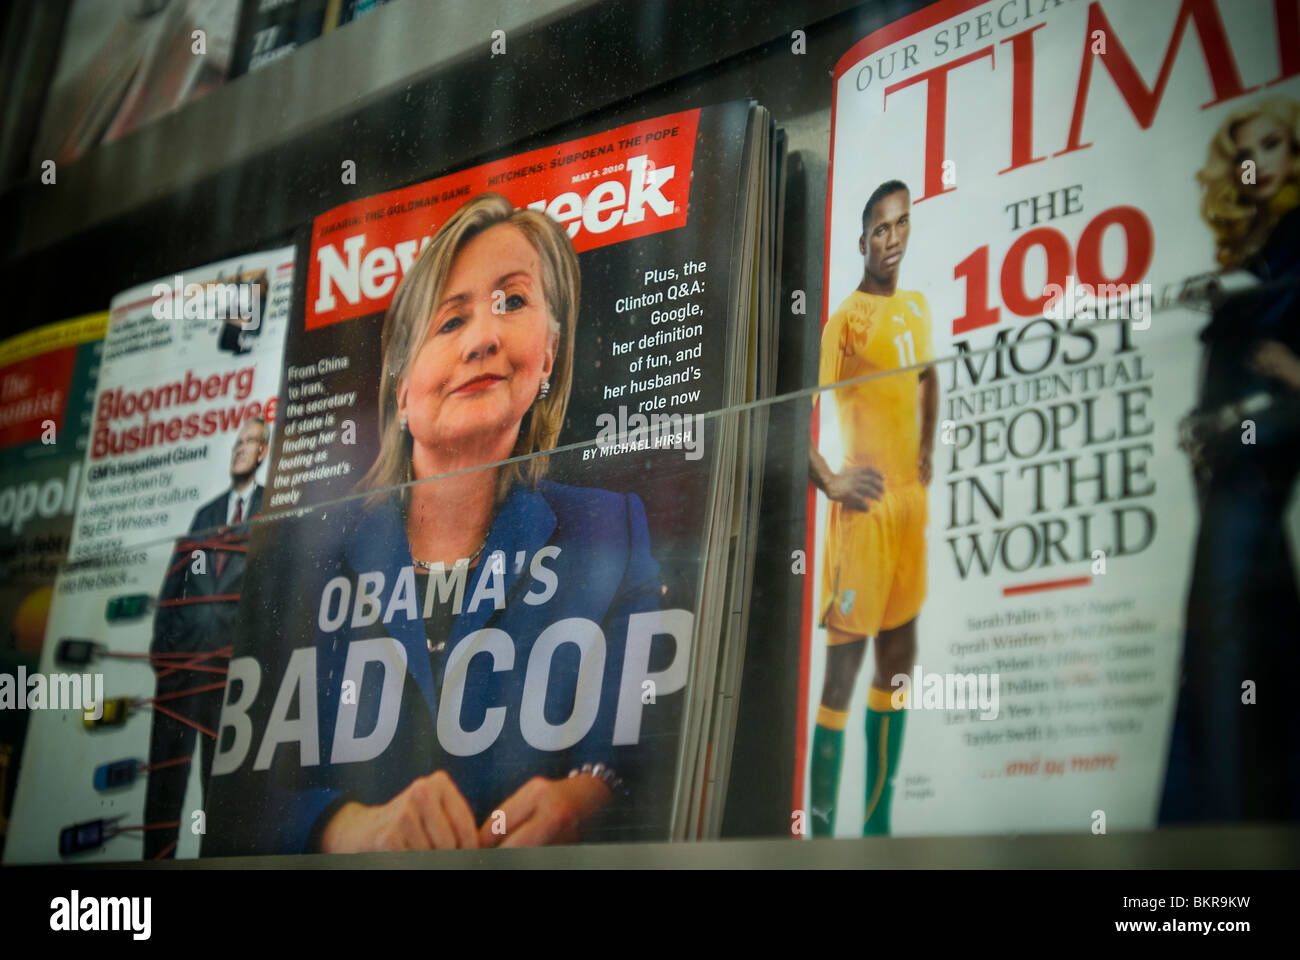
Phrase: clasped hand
[432,814]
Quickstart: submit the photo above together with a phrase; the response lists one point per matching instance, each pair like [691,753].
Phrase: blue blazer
[603,575]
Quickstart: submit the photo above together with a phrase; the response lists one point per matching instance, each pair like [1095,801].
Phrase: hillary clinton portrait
[515,620]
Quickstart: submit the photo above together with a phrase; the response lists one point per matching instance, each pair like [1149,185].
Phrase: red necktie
[239,516]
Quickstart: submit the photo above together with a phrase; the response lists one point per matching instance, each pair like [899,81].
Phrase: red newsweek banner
[620,184]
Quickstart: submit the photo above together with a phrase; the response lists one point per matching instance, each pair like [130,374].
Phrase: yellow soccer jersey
[880,418]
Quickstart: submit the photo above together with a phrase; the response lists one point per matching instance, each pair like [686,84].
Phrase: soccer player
[873,571]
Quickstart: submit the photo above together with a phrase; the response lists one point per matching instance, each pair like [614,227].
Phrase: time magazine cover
[1050,583]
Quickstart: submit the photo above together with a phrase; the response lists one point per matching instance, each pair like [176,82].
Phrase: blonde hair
[1231,215]
[406,327]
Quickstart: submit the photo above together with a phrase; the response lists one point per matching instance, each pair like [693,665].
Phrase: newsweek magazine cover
[142,617]
[486,654]
[47,378]
[1050,579]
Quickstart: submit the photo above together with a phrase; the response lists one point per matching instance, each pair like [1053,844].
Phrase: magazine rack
[409,93]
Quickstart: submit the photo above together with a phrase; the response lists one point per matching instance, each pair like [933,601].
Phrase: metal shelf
[1182,848]
[407,92]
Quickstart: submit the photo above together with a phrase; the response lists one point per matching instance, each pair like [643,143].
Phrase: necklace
[427,565]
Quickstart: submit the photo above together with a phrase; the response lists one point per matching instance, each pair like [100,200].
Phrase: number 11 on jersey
[906,349]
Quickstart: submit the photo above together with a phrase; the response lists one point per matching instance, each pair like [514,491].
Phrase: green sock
[824,776]
[884,744]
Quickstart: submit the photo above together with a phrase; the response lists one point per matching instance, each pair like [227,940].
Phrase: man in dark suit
[207,575]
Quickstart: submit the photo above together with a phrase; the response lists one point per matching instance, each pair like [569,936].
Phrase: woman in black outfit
[1236,748]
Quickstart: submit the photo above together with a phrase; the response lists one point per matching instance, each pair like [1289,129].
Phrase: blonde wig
[1236,221]
[406,327]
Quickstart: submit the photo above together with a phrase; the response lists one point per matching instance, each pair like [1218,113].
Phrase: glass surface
[1055,552]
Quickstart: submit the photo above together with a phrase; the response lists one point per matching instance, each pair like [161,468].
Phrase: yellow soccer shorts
[873,563]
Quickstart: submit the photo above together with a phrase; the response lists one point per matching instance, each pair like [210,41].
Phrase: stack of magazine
[432,527]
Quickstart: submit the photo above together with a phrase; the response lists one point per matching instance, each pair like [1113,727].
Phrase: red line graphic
[1046,585]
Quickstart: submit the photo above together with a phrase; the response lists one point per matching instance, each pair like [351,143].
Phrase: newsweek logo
[616,186]
[356,273]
